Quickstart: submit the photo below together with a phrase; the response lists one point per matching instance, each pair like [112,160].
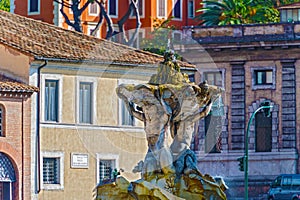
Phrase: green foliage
[237,12]
[5,5]
[158,40]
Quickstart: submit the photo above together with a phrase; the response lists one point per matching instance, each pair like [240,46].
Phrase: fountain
[169,105]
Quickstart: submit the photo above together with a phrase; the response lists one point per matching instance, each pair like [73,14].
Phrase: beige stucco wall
[104,136]
[14,64]
[79,183]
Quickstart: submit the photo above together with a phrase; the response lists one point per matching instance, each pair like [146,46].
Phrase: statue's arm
[201,114]
[134,113]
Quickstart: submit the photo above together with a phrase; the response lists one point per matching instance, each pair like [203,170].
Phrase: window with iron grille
[106,168]
[51,100]
[51,170]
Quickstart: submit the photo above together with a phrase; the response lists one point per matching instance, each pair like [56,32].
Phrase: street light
[266,108]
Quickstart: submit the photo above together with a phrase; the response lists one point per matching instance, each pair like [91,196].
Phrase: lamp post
[266,108]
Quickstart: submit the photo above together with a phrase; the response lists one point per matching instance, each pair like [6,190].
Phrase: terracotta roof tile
[290,6]
[11,85]
[40,39]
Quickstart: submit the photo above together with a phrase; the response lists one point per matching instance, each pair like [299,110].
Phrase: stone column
[288,103]
[237,105]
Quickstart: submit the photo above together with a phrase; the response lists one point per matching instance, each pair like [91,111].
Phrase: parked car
[285,187]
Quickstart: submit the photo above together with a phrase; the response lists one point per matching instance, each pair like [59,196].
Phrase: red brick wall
[16,142]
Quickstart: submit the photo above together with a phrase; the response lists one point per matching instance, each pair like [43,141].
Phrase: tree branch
[84,7]
[99,24]
[63,2]
[64,14]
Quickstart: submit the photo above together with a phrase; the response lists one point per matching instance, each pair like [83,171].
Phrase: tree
[4,5]
[162,33]
[77,12]
[237,12]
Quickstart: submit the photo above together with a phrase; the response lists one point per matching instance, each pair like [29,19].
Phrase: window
[33,6]
[2,120]
[177,9]
[138,38]
[106,168]
[263,133]
[127,119]
[51,100]
[140,7]
[113,7]
[85,102]
[90,28]
[52,170]
[290,15]
[214,78]
[263,78]
[177,37]
[93,8]
[161,8]
[106,164]
[191,9]
[213,122]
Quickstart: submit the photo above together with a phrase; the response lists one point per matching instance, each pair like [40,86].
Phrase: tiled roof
[11,85]
[290,6]
[40,39]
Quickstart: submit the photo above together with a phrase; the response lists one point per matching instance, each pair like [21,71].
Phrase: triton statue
[169,105]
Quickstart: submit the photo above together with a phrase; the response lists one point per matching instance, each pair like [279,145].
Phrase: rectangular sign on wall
[79,160]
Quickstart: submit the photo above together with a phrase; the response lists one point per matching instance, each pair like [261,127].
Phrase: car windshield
[277,182]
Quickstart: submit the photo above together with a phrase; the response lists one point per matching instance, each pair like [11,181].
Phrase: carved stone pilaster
[288,103]
[237,105]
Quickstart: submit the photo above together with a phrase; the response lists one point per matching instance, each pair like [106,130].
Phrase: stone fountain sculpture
[169,105]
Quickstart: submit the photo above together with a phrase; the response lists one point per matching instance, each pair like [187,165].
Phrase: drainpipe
[37,155]
[22,133]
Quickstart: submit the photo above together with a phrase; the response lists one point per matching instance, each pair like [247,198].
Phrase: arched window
[2,121]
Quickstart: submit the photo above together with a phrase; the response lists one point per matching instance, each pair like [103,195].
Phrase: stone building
[254,63]
[80,130]
[15,134]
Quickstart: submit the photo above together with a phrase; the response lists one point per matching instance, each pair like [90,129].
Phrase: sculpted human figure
[182,125]
[156,125]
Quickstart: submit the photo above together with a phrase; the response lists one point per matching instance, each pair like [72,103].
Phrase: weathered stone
[288,124]
[238,85]
[289,130]
[238,112]
[288,83]
[290,110]
[288,144]
[288,76]
[288,117]
[289,137]
[238,125]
